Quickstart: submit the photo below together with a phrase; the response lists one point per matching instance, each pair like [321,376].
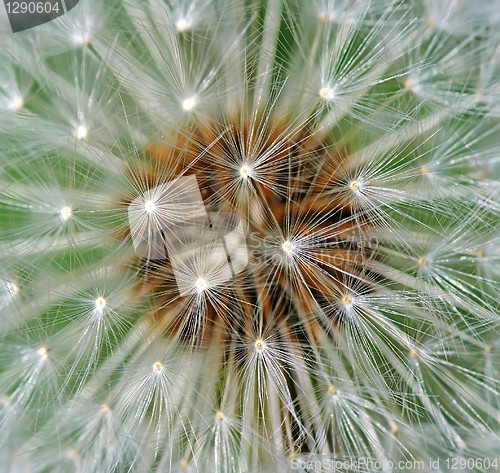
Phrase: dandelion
[251,237]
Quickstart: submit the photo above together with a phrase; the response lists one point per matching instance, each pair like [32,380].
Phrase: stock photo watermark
[205,249]
[370,465]
[24,15]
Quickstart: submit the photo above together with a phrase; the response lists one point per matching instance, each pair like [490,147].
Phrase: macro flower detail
[251,236]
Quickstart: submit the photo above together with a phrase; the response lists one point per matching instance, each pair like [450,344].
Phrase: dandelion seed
[422,261]
[182,25]
[100,304]
[82,132]
[395,428]
[150,206]
[414,353]
[84,39]
[431,23]
[66,213]
[245,171]
[201,284]
[287,246]
[327,94]
[12,288]
[355,186]
[189,104]
[461,445]
[412,84]
[73,454]
[17,103]
[323,16]
[260,345]
[43,353]
[347,300]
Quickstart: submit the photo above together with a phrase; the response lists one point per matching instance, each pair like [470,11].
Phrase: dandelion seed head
[294,148]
